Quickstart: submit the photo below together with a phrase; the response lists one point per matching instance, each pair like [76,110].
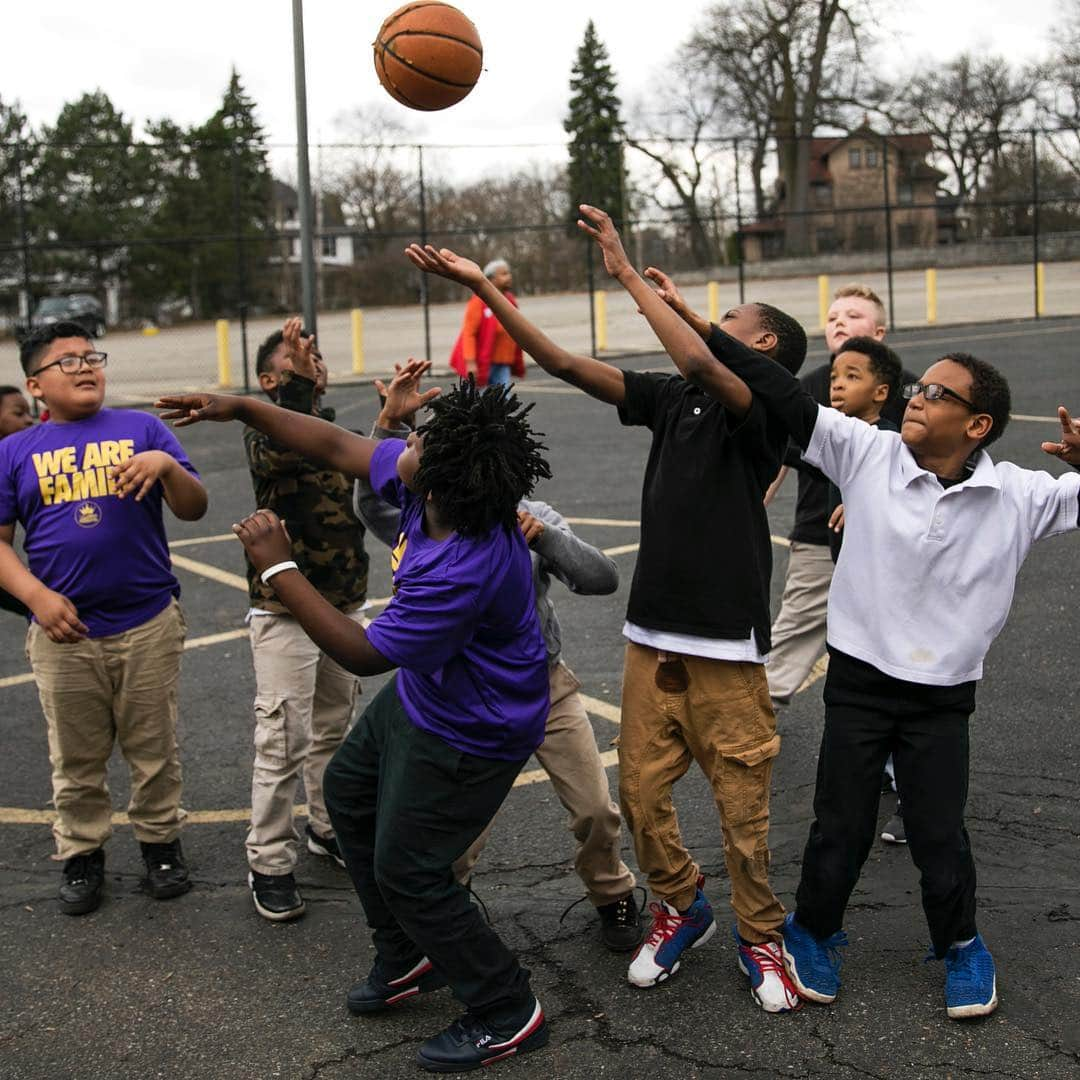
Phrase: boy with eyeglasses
[958,526]
[107,631]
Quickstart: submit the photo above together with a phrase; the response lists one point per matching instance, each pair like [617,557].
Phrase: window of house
[871,158]
[854,157]
[329,247]
[822,194]
[865,237]
[905,234]
[905,193]
[827,240]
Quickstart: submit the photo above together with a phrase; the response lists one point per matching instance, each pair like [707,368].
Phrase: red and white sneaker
[770,985]
[671,934]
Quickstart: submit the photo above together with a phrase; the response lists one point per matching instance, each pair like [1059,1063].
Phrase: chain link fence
[166,240]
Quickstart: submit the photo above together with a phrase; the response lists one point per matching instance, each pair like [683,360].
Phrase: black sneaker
[471,1042]
[894,833]
[324,845]
[275,896]
[376,993]
[620,924]
[83,883]
[166,871]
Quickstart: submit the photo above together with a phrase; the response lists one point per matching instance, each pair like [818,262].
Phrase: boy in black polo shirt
[694,685]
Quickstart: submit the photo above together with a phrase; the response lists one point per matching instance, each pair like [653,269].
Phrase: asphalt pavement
[201,987]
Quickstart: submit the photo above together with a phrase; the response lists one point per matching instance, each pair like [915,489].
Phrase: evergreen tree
[595,130]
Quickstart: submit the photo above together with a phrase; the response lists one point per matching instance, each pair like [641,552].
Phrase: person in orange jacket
[483,346]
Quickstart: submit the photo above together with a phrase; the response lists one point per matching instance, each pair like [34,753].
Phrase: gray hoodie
[557,553]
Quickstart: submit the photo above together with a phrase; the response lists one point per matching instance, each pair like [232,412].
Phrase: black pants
[868,715]
[405,805]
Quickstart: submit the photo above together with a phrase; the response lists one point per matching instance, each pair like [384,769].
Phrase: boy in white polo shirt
[925,506]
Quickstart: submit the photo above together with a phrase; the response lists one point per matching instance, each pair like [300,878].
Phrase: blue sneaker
[814,966]
[970,982]
[670,935]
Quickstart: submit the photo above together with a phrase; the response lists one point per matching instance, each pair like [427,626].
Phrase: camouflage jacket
[316,506]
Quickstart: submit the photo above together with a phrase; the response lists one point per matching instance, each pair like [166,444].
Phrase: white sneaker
[770,984]
[670,935]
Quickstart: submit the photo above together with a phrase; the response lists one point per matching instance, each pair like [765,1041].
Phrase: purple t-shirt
[462,628]
[107,555]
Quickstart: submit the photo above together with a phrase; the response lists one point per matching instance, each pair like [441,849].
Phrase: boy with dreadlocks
[434,755]
[698,620]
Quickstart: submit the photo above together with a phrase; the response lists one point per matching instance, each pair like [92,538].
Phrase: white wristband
[270,571]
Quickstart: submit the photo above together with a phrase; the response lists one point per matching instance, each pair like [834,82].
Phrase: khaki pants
[798,635]
[678,708]
[120,688]
[303,704]
[569,756]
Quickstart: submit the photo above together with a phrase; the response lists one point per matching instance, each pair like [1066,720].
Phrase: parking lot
[201,987]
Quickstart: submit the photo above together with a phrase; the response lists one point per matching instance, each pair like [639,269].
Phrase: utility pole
[303,175]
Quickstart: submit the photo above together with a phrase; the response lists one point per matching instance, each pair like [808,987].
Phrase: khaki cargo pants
[570,757]
[677,709]
[304,702]
[118,688]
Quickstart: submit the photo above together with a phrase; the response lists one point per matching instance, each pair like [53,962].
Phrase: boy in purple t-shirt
[107,631]
[434,755]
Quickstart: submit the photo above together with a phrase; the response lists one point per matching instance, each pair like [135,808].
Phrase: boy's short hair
[790,351]
[864,292]
[480,457]
[266,350]
[989,392]
[881,360]
[5,390]
[38,341]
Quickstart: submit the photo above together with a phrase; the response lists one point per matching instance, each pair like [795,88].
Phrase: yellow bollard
[224,367]
[600,301]
[714,301]
[1040,288]
[357,341]
[823,300]
[931,295]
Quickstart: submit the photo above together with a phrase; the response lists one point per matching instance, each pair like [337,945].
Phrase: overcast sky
[158,59]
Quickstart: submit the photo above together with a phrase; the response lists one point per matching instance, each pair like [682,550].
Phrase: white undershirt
[739,650]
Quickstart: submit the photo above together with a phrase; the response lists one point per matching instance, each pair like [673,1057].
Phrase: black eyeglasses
[71,365]
[933,391]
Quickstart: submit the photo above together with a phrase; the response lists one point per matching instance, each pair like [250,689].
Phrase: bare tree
[969,106]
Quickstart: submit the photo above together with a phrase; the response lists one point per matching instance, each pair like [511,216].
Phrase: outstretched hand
[1068,449]
[299,349]
[403,397]
[186,409]
[265,539]
[601,228]
[446,264]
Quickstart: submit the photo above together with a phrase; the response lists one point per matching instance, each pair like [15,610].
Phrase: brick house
[847,196]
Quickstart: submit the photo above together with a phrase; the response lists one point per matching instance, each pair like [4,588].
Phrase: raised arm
[602,381]
[581,567]
[680,341]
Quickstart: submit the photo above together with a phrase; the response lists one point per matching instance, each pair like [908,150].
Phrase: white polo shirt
[925,578]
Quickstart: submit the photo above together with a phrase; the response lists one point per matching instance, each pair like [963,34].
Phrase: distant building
[847,190]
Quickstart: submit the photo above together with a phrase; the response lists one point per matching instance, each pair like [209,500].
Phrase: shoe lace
[77,870]
[665,924]
[623,907]
[770,963]
[832,946]
[480,903]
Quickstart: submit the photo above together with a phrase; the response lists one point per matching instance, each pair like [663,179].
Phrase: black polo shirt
[812,509]
[705,558]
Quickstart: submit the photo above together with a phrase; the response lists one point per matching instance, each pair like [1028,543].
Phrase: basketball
[428,55]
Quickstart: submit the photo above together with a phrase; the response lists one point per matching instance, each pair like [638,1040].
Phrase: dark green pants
[405,805]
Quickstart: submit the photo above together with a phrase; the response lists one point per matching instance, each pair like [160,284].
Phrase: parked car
[81,308]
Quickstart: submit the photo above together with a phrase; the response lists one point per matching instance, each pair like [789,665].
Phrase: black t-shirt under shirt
[812,500]
[705,558]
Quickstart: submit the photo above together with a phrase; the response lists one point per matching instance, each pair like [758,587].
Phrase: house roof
[916,145]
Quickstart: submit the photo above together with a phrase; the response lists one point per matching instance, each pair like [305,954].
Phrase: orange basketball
[428,55]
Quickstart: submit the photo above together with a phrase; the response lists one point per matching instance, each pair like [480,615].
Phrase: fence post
[1036,265]
[424,297]
[822,300]
[1040,289]
[224,366]
[888,228]
[931,295]
[714,301]
[357,318]
[738,229]
[600,300]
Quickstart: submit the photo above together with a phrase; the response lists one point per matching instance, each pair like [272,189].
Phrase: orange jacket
[484,342]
